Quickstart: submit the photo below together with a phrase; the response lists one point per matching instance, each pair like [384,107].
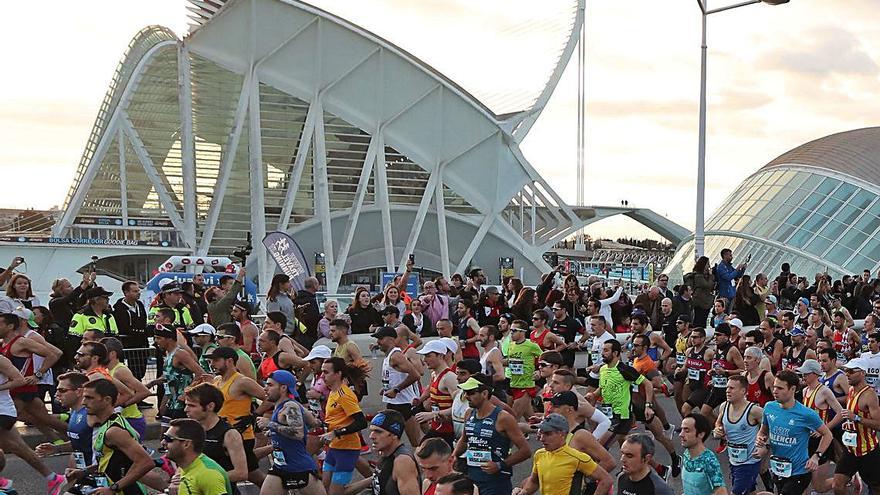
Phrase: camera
[244,251]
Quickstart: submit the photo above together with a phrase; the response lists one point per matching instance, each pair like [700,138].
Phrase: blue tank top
[740,437]
[829,382]
[80,434]
[485,444]
[289,454]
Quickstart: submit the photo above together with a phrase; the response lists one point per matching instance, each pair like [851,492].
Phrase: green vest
[81,322]
[181,316]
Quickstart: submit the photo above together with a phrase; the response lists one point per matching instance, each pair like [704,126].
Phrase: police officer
[96,315]
[171,297]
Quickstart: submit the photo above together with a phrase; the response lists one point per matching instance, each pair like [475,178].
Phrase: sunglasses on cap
[168,439]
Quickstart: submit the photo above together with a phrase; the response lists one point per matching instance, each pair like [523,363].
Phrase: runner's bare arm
[13,376]
[234,446]
[406,473]
[189,362]
[126,444]
[402,364]
[507,425]
[249,387]
[138,390]
[870,403]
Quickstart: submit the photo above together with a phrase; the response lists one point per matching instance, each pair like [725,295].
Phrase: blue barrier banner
[412,285]
[211,280]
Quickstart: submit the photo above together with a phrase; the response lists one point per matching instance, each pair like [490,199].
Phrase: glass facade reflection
[814,219]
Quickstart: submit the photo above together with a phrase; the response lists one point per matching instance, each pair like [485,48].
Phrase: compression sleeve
[603,423]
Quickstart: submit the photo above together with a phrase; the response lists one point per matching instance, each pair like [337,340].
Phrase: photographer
[220,299]
[307,311]
[66,299]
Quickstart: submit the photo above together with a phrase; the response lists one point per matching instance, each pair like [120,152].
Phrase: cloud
[827,51]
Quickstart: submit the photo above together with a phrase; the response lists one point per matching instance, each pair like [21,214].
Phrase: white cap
[735,322]
[437,346]
[319,352]
[203,329]
[450,343]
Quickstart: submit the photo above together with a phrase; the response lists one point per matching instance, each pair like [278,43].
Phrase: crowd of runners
[576,379]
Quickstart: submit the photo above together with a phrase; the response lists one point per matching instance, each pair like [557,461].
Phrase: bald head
[311,284]
[654,293]
[666,305]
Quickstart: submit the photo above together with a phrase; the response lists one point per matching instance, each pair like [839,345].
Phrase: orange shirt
[644,365]
[342,404]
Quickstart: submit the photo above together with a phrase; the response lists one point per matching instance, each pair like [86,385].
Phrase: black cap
[97,292]
[390,309]
[684,318]
[223,353]
[567,398]
[383,332]
[170,287]
[160,330]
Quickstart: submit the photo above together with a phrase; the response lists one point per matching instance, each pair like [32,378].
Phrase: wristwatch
[649,404]
[115,487]
[396,390]
[38,374]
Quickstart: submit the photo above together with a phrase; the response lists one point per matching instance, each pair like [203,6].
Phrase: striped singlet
[858,438]
[440,401]
[825,414]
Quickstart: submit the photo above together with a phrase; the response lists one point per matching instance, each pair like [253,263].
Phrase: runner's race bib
[693,374]
[79,460]
[850,439]
[871,380]
[719,381]
[780,466]
[680,359]
[738,453]
[476,458]
[607,410]
[278,457]
[516,367]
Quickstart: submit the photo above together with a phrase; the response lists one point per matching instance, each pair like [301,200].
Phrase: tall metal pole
[701,158]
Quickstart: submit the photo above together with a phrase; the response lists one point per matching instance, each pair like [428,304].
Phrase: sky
[777,77]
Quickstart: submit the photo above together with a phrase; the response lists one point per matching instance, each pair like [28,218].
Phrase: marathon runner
[615,386]
[738,423]
[760,382]
[292,467]
[522,356]
[558,469]
[399,381]
[179,367]
[222,442]
[120,373]
[860,439]
[702,471]
[438,396]
[727,361]
[345,420]
[488,435]
[199,474]
[785,436]
[821,399]
[872,358]
[834,378]
[396,471]
[600,335]
[638,476]
[239,393]
[798,352]
[846,341]
[435,460]
[682,343]
[697,366]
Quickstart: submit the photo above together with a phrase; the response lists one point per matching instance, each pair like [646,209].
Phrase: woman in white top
[19,289]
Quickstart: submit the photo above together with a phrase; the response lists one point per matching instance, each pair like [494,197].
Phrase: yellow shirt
[342,404]
[558,470]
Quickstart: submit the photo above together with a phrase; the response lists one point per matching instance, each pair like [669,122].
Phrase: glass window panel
[859,263]
[800,237]
[811,201]
[833,229]
[827,186]
[744,207]
[811,181]
[742,222]
[783,232]
[772,192]
[868,223]
[844,191]
[792,196]
[853,239]
[791,177]
[862,199]
[769,226]
[818,245]
[847,214]
[829,207]
[871,249]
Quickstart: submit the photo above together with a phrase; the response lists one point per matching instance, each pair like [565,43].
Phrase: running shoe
[676,465]
[5,483]
[722,445]
[54,486]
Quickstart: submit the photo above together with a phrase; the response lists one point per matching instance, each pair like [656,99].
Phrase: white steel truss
[317,127]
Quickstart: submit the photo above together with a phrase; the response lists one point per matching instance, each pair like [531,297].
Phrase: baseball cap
[97,292]
[567,398]
[810,366]
[735,322]
[319,352]
[554,423]
[383,332]
[203,329]
[682,318]
[723,328]
[170,287]
[223,353]
[856,364]
[434,346]
[491,289]
[450,344]
[472,384]
[388,423]
[283,377]
[772,299]
[797,332]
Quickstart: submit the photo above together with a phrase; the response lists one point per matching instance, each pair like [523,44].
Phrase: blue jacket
[726,273]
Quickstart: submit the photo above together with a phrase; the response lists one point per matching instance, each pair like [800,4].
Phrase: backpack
[715,286]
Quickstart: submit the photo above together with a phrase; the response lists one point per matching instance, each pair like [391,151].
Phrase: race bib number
[607,410]
[315,406]
[871,380]
[785,363]
[596,358]
[693,374]
[386,385]
[841,358]
[102,481]
[719,381]
[680,359]
[278,458]
[780,466]
[79,460]
[516,367]
[850,439]
[476,458]
[738,453]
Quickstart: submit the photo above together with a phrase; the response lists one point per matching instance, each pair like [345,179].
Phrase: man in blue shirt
[785,435]
[725,274]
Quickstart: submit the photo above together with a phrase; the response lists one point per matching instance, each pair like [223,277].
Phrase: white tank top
[7,406]
[391,378]
[38,363]
[484,361]
[459,408]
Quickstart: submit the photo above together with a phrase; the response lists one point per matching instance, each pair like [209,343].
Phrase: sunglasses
[537,318]
[65,390]
[81,354]
[474,391]
[225,337]
[543,364]
[168,439]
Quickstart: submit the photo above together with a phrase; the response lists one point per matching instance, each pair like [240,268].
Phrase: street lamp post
[699,235]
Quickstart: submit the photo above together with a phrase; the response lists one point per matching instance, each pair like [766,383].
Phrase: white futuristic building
[278,115]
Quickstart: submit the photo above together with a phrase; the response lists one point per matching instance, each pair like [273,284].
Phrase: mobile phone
[749,258]
[412,258]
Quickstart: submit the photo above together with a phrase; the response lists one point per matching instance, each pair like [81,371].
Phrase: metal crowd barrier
[142,362]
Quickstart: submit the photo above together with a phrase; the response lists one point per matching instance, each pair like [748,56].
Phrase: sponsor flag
[289,258]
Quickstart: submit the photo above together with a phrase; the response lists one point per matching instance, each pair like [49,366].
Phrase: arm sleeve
[603,423]
[614,298]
